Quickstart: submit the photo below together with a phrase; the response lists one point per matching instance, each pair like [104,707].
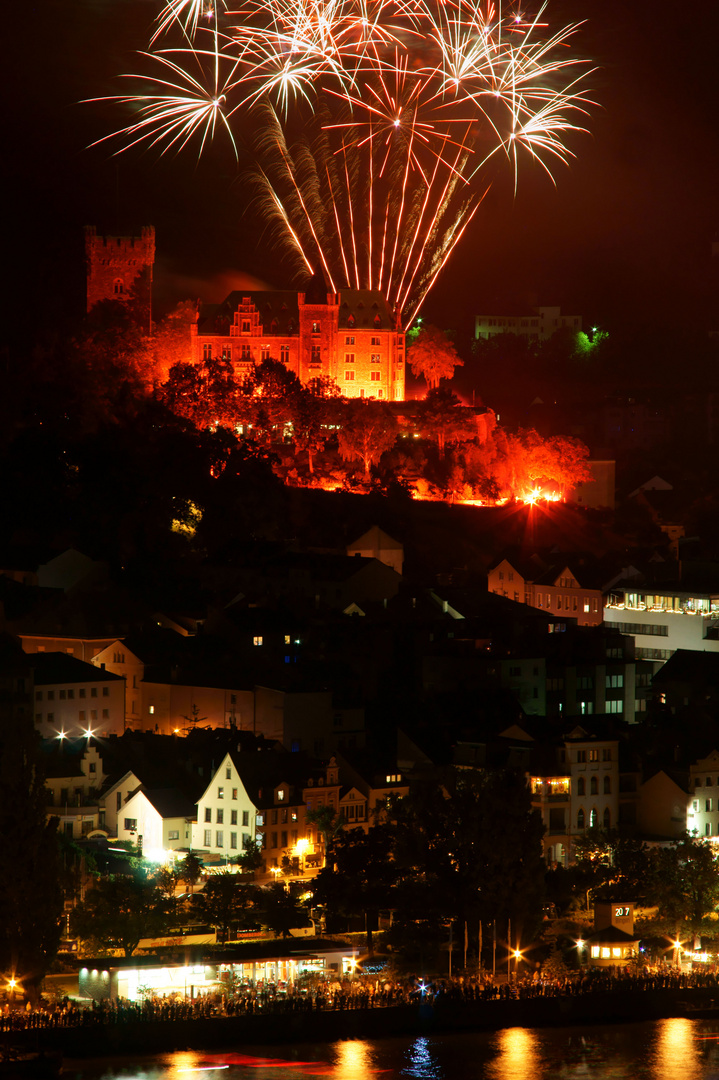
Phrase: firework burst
[370,124]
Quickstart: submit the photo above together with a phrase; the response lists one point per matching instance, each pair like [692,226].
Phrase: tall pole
[509,947]
[450,949]
[479,949]
[465,944]
[494,947]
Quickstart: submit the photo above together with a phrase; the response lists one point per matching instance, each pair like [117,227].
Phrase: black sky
[623,239]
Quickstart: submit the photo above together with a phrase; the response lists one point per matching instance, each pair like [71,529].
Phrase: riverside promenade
[155,1028]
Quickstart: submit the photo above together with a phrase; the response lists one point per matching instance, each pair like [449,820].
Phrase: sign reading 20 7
[621,912]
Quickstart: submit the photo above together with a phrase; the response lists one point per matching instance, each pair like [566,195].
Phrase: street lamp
[580,951]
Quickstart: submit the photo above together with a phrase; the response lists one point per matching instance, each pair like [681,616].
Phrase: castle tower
[120,268]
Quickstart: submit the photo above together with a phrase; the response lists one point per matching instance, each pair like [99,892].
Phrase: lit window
[219,838]
[220,793]
[208,837]
[234,793]
[151,709]
[257,640]
[220,819]
[280,795]
[595,950]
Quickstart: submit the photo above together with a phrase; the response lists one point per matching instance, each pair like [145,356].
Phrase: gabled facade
[115,798]
[226,815]
[351,337]
[157,821]
[555,592]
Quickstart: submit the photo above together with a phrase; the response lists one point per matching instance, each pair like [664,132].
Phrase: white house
[226,815]
[159,820]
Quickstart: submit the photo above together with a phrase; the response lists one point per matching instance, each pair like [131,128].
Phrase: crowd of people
[359,993]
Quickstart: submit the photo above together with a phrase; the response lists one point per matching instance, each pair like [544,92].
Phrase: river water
[676,1049]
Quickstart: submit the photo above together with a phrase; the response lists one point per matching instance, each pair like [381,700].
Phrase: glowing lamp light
[12,983]
[517,954]
[301,847]
[61,735]
[580,944]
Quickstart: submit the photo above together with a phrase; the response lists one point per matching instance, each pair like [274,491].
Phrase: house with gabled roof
[226,814]
[157,820]
[557,588]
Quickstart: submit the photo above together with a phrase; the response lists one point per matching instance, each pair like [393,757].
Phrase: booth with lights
[140,977]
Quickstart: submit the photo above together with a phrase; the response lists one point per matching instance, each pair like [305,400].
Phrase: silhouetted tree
[368,430]
[432,356]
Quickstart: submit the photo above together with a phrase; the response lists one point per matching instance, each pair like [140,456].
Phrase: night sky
[623,239]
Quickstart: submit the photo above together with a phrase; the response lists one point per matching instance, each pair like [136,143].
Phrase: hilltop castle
[351,336]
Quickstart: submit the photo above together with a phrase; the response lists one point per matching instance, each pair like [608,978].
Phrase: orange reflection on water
[518,1056]
[354,1060]
[677,1052]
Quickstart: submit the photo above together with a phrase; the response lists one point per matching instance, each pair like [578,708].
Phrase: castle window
[118,286]
[246,354]
[349,376]
[375,358]
[315,328]
[246,326]
[349,358]
[380,393]
[265,352]
[274,326]
[351,322]
[350,340]
[375,341]
[206,352]
[375,376]
[285,354]
[377,322]
[315,358]
[226,352]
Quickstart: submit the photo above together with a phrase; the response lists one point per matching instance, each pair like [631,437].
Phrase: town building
[73,698]
[664,619]
[226,814]
[612,942]
[554,588]
[703,806]
[352,337]
[539,323]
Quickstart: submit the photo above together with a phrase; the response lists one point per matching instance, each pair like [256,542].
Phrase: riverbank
[276,1027]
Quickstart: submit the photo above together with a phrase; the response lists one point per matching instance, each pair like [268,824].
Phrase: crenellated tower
[120,268]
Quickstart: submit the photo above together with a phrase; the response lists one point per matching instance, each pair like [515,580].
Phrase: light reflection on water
[677,1049]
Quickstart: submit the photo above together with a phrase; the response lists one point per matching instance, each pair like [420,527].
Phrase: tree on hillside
[225,901]
[31,898]
[443,419]
[433,356]
[359,879]
[449,864]
[278,907]
[171,341]
[368,430]
[119,910]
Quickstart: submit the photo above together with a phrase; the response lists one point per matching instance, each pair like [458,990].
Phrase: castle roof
[359,309]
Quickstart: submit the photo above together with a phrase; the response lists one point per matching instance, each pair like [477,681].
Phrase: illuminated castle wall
[120,268]
[352,337]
